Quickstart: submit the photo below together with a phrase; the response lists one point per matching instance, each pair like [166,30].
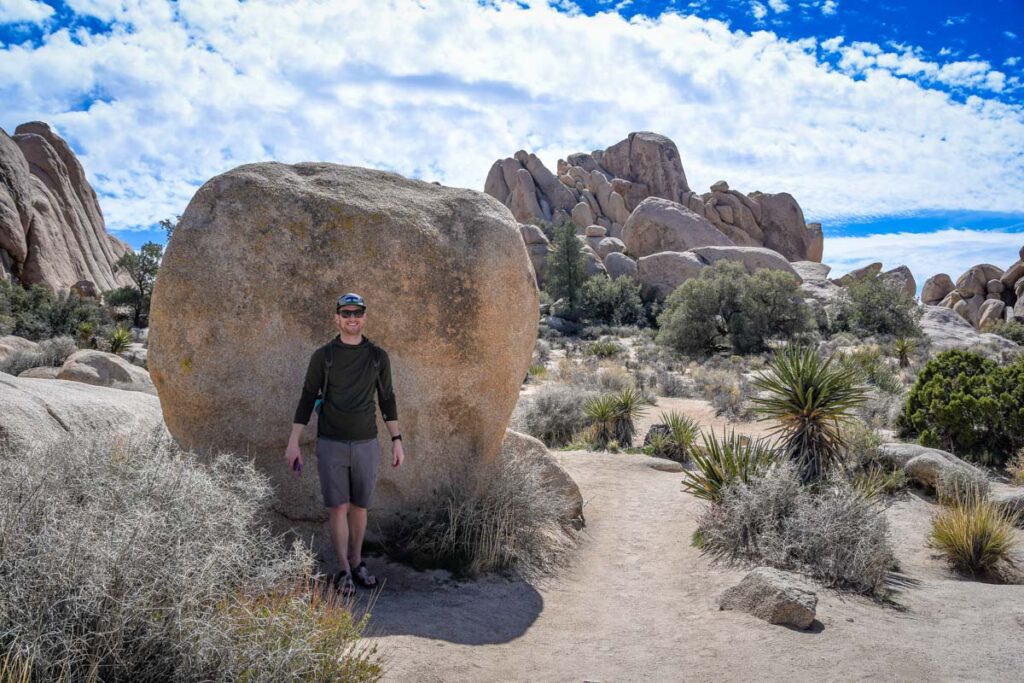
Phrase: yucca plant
[682,433]
[119,340]
[630,405]
[811,398]
[976,536]
[904,348]
[723,461]
[603,412]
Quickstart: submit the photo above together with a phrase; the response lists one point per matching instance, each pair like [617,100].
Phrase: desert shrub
[507,517]
[613,378]
[129,559]
[541,351]
[37,313]
[604,348]
[875,306]
[975,536]
[727,307]
[553,415]
[602,413]
[811,398]
[969,405]
[565,273]
[721,461]
[50,353]
[672,384]
[119,339]
[961,485]
[876,480]
[835,534]
[873,368]
[1008,329]
[903,348]
[673,437]
[612,302]
[728,391]
[1015,469]
[537,370]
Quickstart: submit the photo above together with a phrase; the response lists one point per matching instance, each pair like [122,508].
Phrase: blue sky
[898,125]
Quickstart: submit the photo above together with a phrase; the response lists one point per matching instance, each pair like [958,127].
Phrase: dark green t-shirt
[348,412]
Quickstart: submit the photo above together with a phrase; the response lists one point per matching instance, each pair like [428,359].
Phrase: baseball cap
[350,299]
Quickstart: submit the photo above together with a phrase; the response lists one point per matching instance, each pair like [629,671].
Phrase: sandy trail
[639,603]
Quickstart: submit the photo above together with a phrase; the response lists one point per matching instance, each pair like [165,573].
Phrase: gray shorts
[348,471]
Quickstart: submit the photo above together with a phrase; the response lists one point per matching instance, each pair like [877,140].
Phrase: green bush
[875,306]
[725,460]
[728,308]
[604,348]
[673,437]
[612,302]
[969,405]
[37,313]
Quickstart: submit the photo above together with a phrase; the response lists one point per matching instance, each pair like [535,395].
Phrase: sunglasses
[351,314]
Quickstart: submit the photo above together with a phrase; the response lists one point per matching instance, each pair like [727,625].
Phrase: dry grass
[976,537]
[1015,468]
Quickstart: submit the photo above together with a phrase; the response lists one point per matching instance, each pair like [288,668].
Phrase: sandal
[363,577]
[343,584]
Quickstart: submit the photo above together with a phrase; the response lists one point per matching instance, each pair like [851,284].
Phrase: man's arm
[389,409]
[310,388]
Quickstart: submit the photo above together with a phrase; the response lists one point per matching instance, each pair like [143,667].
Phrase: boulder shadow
[429,604]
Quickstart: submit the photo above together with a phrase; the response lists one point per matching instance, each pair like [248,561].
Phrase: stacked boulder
[633,198]
[982,296]
[51,227]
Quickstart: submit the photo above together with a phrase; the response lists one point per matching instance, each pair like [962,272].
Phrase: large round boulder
[661,273]
[105,370]
[661,225]
[936,288]
[752,258]
[246,293]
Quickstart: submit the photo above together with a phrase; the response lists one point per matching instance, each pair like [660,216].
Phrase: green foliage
[873,368]
[141,266]
[903,348]
[37,313]
[725,460]
[876,306]
[612,302]
[727,307]
[630,405]
[604,348]
[811,398]
[969,405]
[613,418]
[1009,329]
[874,481]
[119,339]
[565,275]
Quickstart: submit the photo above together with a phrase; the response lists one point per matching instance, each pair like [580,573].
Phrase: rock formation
[614,188]
[51,227]
[982,296]
[246,293]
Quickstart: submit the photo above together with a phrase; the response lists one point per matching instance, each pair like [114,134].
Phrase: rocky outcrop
[775,596]
[752,258]
[982,296]
[926,466]
[51,227]
[946,329]
[105,370]
[606,187]
[44,410]
[451,297]
[553,476]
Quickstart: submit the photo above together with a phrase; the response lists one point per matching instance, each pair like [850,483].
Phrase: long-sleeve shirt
[348,413]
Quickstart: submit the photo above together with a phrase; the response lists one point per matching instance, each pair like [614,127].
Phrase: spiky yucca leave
[602,412]
[682,433]
[120,339]
[630,405]
[975,535]
[810,397]
[904,348]
[726,460]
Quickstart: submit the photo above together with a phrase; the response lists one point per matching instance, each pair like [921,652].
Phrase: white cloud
[778,6]
[1011,61]
[1010,34]
[951,251]
[16,11]
[829,7]
[441,90]
[758,10]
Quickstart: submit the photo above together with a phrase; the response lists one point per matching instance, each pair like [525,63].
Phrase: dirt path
[639,604]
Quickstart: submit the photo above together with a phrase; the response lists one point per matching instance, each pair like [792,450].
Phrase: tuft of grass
[725,460]
[604,348]
[1015,468]
[976,537]
[673,437]
[537,370]
[119,340]
[875,481]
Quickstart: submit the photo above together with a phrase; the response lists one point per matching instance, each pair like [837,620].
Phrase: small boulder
[553,475]
[105,370]
[582,216]
[618,264]
[659,225]
[666,270]
[936,288]
[811,271]
[595,231]
[720,186]
[859,274]
[921,464]
[609,245]
[11,344]
[532,234]
[775,596]
[902,279]
[991,312]
[42,372]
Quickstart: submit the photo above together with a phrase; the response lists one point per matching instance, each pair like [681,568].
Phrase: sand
[639,603]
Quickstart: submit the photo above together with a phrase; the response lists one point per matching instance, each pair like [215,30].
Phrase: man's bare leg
[337,521]
[356,532]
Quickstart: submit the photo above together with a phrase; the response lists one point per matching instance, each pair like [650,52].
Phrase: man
[345,374]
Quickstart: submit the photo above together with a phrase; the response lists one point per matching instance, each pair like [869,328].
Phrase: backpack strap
[375,352]
[328,361]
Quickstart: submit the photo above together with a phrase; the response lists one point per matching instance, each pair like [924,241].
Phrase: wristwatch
[397,438]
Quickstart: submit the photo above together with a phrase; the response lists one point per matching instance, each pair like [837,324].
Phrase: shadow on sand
[427,604]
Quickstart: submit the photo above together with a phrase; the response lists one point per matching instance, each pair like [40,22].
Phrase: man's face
[350,319]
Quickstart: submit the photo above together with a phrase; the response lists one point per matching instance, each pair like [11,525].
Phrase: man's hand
[291,454]
[397,453]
